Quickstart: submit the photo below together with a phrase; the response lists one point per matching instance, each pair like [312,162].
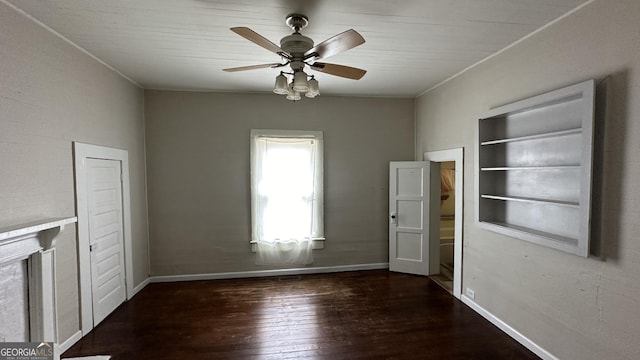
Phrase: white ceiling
[411,45]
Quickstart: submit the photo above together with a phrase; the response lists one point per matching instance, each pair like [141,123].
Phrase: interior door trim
[81,153]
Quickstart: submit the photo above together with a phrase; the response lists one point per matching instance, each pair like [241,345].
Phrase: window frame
[318,242]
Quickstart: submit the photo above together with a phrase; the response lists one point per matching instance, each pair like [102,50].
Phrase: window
[286,195]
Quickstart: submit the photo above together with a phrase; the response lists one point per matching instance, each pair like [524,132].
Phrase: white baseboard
[263,273]
[139,287]
[525,341]
[64,346]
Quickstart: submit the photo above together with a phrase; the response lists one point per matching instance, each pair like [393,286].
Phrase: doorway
[449,240]
[446,232]
[104,231]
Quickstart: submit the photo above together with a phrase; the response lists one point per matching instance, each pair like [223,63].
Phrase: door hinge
[90,248]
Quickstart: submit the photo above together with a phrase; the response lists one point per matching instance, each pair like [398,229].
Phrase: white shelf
[512,168]
[32,227]
[526,230]
[534,137]
[539,151]
[532,200]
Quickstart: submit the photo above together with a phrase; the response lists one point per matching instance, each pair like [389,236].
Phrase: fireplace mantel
[34,241]
[49,227]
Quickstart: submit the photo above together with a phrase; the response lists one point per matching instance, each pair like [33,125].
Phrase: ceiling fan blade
[339,70]
[334,45]
[260,40]
[253,67]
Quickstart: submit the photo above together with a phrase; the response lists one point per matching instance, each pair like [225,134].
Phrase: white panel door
[105,236]
[413,244]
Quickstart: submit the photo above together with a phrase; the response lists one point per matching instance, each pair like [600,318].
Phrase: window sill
[318,244]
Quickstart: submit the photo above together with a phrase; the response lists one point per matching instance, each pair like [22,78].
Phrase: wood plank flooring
[352,315]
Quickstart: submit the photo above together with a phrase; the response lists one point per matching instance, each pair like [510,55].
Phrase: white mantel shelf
[16,231]
[20,241]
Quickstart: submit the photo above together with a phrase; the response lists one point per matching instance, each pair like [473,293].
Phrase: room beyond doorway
[447,225]
[451,199]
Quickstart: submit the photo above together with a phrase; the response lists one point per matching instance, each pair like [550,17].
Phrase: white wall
[575,308]
[52,94]
[198,169]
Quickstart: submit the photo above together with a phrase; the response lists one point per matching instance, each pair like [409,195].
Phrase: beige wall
[51,94]
[198,169]
[576,308]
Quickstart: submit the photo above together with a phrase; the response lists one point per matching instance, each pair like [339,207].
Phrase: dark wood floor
[352,315]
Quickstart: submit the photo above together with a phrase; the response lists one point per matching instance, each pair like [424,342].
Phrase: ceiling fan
[297,50]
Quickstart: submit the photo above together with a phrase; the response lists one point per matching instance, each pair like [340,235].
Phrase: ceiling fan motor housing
[296,44]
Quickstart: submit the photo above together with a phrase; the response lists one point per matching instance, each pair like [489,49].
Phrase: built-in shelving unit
[533,166]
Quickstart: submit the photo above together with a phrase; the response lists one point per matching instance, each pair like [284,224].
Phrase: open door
[414,217]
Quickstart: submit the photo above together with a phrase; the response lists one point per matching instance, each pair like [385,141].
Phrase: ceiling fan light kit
[297,50]
[300,84]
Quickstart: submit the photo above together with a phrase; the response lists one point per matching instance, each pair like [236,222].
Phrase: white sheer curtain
[286,197]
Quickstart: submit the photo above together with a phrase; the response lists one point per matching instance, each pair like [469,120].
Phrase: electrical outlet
[471,294]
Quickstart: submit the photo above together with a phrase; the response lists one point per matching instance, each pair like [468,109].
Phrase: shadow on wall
[608,164]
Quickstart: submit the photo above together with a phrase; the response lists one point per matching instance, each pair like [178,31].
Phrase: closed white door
[414,217]
[105,236]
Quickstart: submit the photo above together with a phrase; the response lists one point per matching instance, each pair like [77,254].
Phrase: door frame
[81,153]
[456,155]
